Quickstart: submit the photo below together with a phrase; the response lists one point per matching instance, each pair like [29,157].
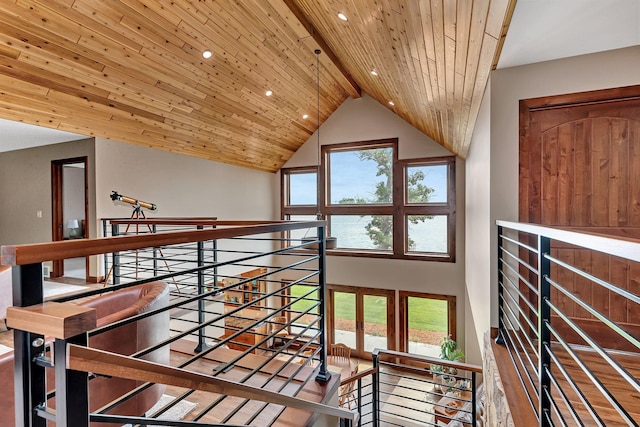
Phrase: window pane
[302,232]
[303,189]
[363,231]
[427,184]
[427,321]
[375,322]
[361,176]
[345,318]
[427,233]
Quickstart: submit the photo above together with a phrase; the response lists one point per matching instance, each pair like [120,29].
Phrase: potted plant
[448,351]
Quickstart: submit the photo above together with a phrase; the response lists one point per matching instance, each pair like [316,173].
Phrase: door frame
[57,208]
[360,292]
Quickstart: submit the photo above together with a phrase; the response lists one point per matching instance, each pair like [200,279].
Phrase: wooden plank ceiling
[133,71]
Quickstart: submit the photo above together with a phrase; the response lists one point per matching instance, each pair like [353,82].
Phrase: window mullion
[399,227]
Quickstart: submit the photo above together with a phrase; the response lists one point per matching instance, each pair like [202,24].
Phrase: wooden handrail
[390,354]
[105,363]
[189,221]
[41,252]
[358,376]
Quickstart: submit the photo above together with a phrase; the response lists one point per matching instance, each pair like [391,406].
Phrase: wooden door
[580,167]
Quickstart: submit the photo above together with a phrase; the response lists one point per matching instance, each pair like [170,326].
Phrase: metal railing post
[474,387]
[202,345]
[375,397]
[115,258]
[323,375]
[500,337]
[154,230]
[544,288]
[105,257]
[72,387]
[29,377]
[359,402]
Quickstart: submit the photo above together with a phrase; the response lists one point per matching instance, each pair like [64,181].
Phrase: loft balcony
[213,324]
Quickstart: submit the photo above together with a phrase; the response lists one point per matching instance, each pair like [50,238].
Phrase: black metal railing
[567,304]
[235,287]
[403,389]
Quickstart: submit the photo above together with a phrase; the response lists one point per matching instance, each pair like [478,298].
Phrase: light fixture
[306,116]
[330,242]
[342,16]
[374,73]
[391,103]
[73,225]
[207,54]
[269,93]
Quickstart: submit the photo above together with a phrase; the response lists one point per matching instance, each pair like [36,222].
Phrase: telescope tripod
[138,214]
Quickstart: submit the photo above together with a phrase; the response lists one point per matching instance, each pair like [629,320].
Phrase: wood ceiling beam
[349,83]
[503,32]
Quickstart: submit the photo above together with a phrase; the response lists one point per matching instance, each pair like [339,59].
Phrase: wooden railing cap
[53,319]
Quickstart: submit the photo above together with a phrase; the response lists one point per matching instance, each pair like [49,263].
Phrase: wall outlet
[39,214]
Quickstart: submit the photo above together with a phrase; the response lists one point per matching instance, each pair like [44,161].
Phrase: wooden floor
[626,395]
[286,378]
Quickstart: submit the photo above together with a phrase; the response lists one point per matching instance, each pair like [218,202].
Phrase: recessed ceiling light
[373,73]
[207,54]
[391,103]
[269,93]
[306,116]
[342,16]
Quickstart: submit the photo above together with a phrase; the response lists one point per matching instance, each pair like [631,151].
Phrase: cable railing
[567,314]
[204,311]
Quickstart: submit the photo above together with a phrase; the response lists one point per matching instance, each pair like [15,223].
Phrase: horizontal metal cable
[596,381]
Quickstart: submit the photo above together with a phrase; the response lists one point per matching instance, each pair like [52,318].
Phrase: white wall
[25,189]
[478,231]
[610,69]
[180,185]
[362,120]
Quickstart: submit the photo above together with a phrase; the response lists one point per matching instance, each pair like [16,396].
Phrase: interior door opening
[70,211]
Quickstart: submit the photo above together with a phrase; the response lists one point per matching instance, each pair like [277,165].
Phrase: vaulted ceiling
[133,70]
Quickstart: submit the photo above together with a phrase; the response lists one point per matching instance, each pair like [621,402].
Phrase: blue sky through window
[352,177]
[303,189]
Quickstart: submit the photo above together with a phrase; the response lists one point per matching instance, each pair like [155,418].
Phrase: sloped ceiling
[133,70]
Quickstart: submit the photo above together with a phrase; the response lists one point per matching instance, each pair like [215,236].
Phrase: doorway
[362,318]
[70,206]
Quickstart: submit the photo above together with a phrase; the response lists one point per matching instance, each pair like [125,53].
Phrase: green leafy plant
[448,351]
[446,375]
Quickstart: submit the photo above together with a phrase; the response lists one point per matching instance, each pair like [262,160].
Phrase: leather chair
[126,339]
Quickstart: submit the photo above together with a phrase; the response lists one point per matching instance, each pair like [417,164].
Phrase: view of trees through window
[376,202]
[379,228]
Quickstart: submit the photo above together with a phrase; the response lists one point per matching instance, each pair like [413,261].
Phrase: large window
[375,204]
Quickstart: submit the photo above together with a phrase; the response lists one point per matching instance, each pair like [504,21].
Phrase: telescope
[135,202]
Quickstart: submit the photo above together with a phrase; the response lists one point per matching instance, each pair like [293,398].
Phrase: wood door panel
[580,167]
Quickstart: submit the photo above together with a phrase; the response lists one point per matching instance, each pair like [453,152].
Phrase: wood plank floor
[611,380]
[276,375]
